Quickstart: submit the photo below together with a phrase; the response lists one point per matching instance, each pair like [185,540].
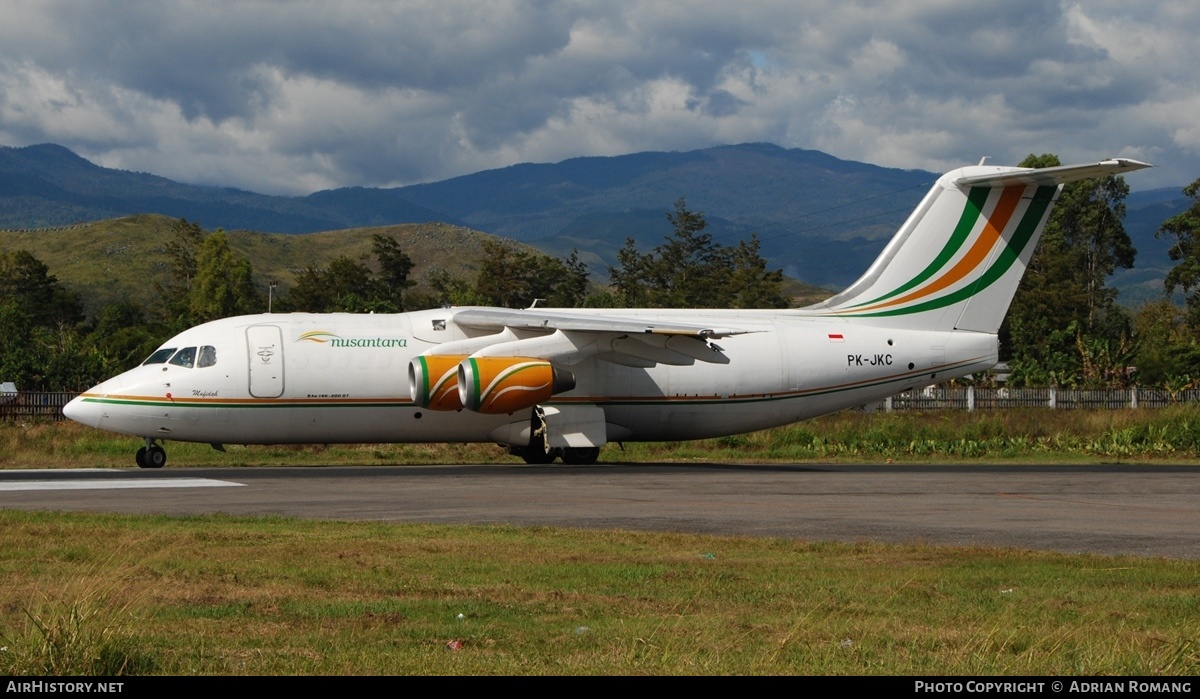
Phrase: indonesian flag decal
[836,337]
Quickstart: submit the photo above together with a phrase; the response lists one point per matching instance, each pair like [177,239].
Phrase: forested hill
[804,205]
[821,219]
[48,185]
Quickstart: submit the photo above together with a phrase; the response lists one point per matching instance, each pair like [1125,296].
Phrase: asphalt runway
[1108,509]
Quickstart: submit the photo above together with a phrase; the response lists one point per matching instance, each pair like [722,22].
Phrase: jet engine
[433,381]
[496,385]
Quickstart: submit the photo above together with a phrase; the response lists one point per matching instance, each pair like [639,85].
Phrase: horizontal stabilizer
[1005,177]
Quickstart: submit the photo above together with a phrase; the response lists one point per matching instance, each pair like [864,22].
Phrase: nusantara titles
[368,342]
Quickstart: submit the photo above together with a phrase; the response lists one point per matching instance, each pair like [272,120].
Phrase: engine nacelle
[497,385]
[433,381]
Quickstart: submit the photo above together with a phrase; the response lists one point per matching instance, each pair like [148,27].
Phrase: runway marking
[58,470]
[116,484]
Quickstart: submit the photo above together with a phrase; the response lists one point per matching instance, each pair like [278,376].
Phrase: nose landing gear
[151,456]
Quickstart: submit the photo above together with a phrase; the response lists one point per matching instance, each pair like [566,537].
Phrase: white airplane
[561,383]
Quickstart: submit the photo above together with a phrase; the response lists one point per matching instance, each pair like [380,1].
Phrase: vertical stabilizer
[956,262]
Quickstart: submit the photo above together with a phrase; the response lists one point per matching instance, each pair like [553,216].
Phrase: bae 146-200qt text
[561,383]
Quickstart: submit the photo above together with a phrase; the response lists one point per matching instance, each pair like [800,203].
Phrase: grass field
[111,594]
[221,595]
[1030,436]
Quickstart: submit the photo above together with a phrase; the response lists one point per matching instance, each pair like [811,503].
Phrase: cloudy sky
[292,97]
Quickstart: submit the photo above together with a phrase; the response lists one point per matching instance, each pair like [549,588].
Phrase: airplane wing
[504,361]
[568,338]
[1051,175]
[547,319]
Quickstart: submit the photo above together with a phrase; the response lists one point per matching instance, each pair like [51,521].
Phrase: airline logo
[988,239]
[334,340]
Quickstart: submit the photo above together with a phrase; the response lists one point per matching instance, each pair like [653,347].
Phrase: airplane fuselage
[343,378]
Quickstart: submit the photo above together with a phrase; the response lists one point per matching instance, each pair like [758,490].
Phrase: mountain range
[821,219]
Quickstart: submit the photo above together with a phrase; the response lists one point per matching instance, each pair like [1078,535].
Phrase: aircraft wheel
[140,458]
[156,457]
[537,455]
[580,456]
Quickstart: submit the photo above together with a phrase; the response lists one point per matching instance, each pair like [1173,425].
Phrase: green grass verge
[1029,435]
[224,595]
[1032,435]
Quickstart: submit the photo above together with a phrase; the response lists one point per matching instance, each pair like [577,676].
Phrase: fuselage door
[264,343]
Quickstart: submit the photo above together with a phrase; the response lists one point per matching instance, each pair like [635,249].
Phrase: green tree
[1165,343]
[350,286]
[223,285]
[571,287]
[40,358]
[47,302]
[507,277]
[753,285]
[40,344]
[345,286]
[174,296]
[690,270]
[124,336]
[1065,284]
[1185,230]
[452,290]
[1055,362]
[394,267]
[19,357]
[630,277]
[514,277]
[308,294]
[68,362]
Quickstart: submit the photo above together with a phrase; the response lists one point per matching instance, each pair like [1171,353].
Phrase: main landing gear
[539,453]
[572,456]
[152,455]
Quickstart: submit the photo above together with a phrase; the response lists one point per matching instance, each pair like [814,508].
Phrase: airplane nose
[84,413]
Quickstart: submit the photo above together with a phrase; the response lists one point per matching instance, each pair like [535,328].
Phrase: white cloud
[288,97]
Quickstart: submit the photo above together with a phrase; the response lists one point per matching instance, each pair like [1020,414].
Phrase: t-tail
[956,262]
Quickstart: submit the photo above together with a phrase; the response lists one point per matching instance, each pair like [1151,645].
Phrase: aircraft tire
[537,455]
[580,456]
[140,458]
[156,457]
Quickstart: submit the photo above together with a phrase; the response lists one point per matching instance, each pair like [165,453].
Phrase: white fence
[34,405]
[972,398]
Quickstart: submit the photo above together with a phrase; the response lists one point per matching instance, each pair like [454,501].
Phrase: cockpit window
[185,357]
[160,357]
[208,356]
